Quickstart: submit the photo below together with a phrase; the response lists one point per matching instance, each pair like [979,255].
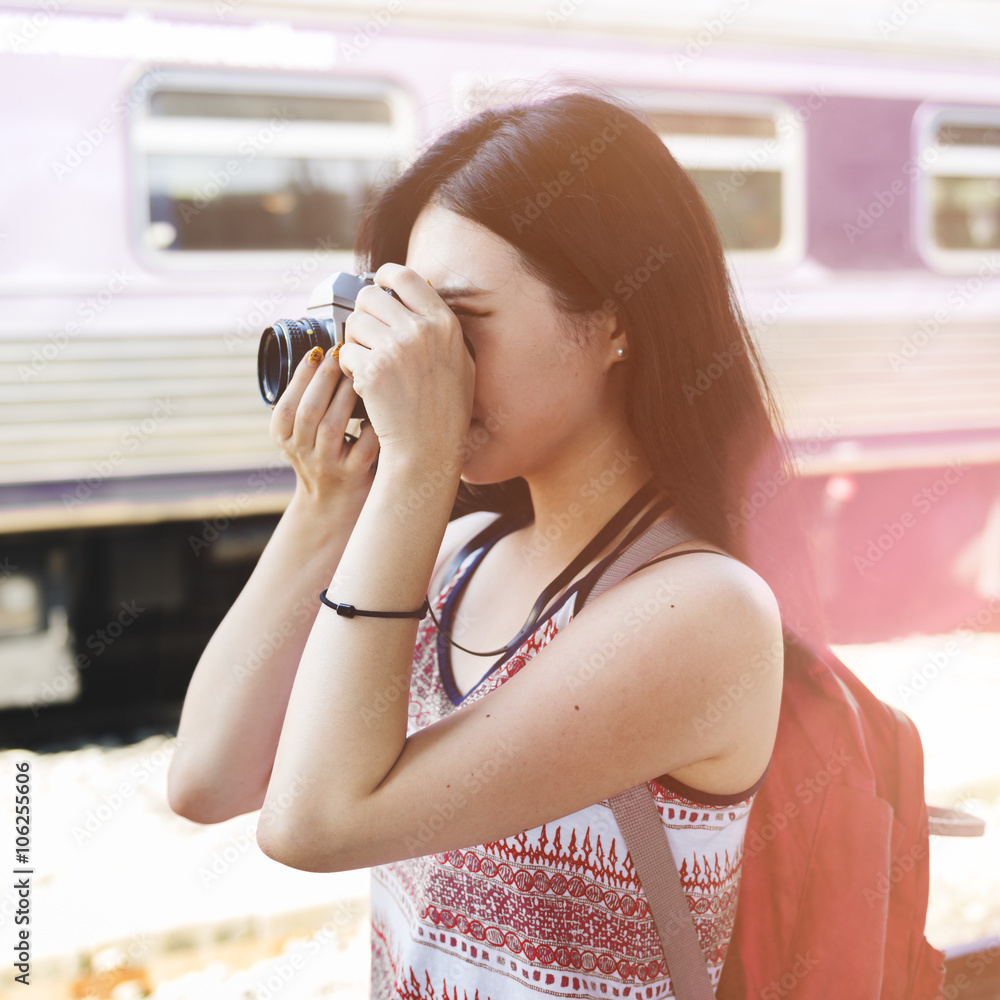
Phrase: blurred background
[176,176]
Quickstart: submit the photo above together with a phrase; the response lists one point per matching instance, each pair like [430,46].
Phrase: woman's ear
[608,331]
[620,342]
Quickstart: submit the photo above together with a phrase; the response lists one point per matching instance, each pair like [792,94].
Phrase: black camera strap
[506,523]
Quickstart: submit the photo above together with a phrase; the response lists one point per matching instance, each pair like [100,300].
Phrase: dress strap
[505,522]
[711,798]
[670,555]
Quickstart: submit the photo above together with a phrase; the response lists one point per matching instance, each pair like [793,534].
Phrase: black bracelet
[349,610]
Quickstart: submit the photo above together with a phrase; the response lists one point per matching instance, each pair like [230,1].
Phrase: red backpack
[834,885]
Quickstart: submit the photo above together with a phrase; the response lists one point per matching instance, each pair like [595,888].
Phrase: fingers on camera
[287,405]
[302,403]
[339,411]
[316,355]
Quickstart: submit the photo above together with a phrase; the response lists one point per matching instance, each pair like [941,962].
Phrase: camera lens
[283,345]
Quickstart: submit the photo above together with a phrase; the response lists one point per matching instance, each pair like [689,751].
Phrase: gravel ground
[121,883]
[118,874]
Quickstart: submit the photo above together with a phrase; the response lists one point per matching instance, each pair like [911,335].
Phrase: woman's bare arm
[238,694]
[237,698]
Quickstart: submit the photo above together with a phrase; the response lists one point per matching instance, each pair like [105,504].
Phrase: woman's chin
[471,479]
[476,473]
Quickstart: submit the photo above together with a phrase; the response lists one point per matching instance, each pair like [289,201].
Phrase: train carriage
[176,179]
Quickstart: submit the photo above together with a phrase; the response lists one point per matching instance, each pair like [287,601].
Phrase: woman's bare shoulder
[730,624]
[729,605]
[729,570]
[731,579]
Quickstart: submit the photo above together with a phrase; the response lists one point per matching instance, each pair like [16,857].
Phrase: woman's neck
[573,502]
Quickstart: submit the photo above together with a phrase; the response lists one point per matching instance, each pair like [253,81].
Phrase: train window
[746,156]
[247,166]
[959,165]
[749,168]
[22,605]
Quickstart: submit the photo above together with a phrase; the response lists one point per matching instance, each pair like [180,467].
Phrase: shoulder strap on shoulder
[684,552]
[653,541]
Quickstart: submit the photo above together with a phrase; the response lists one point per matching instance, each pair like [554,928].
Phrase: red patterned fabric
[556,910]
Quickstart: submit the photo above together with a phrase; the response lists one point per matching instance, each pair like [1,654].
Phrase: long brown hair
[600,210]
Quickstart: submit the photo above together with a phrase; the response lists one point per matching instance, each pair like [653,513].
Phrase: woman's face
[538,396]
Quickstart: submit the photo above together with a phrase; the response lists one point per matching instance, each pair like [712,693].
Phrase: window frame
[927,120]
[790,158]
[147,130]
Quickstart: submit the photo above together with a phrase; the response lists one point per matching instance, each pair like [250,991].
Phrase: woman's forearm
[345,724]
[236,700]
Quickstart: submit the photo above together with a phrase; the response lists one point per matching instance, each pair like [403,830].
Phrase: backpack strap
[639,819]
[641,826]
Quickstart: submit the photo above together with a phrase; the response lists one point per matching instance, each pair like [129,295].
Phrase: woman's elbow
[184,803]
[202,805]
[302,845]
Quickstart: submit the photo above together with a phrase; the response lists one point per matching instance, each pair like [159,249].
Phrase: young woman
[559,293]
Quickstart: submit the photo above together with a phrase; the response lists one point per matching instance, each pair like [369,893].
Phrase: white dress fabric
[554,911]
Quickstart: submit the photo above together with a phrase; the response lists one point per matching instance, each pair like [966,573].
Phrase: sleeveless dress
[557,910]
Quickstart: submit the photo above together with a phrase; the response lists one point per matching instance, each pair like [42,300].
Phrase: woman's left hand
[409,363]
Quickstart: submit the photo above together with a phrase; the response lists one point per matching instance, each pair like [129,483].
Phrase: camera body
[287,341]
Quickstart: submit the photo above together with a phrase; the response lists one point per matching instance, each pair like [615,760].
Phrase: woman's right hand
[308,424]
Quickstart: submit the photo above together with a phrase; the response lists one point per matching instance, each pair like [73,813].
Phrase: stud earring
[621,352]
